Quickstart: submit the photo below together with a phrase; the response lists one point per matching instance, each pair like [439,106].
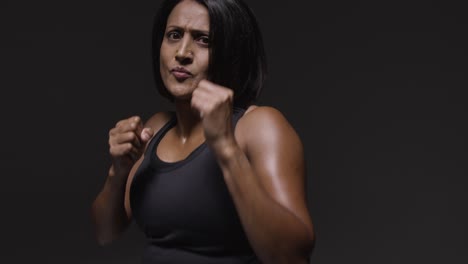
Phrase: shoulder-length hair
[237,55]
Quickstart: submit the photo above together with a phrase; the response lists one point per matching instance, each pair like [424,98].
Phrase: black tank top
[185,210]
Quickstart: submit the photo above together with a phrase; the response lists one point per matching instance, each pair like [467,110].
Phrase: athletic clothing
[185,209]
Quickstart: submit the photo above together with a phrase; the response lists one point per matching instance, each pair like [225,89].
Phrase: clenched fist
[127,142]
[214,103]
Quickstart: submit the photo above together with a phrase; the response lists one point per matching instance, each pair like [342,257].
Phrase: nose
[184,53]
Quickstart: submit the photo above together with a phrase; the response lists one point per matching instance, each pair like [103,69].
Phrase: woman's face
[184,53]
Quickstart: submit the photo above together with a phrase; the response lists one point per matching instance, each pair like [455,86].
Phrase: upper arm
[276,155]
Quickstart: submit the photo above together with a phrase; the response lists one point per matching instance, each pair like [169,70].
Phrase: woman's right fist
[127,141]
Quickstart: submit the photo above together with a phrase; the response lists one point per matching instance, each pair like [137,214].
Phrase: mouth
[181,73]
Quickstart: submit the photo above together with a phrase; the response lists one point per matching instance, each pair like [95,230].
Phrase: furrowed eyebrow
[192,31]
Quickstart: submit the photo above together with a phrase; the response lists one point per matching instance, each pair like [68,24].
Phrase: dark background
[376,90]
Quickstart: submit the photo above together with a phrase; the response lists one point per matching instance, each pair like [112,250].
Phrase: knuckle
[135,119]
[131,136]
[195,93]
[112,132]
[113,151]
[127,147]
[228,95]
[120,123]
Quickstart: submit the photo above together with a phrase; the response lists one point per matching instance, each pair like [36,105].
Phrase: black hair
[237,55]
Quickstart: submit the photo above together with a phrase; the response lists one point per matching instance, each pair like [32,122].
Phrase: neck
[188,121]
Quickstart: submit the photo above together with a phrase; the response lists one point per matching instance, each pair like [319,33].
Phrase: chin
[180,91]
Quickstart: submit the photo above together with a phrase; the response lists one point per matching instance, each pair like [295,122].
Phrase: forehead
[189,14]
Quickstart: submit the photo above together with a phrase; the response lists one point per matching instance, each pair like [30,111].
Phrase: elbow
[307,248]
[287,259]
[304,253]
[300,253]
[308,243]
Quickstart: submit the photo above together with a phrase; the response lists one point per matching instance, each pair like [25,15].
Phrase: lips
[181,73]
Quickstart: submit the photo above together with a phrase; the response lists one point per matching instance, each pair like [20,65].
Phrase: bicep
[276,155]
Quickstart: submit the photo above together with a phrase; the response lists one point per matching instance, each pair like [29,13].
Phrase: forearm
[275,233]
[108,211]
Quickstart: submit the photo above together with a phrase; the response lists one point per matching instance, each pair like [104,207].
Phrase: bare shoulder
[260,119]
[271,113]
[265,124]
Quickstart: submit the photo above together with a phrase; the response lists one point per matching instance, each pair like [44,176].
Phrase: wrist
[225,149]
[117,175]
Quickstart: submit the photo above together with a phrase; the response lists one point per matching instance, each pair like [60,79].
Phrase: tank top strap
[156,138]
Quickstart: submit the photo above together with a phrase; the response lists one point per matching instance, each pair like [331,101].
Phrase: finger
[215,92]
[135,154]
[136,124]
[128,137]
[120,150]
[146,134]
[201,100]
[125,149]
[126,122]
[206,84]
[129,124]
[137,127]
[210,87]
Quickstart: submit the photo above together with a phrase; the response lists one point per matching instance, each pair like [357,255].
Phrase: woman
[218,180]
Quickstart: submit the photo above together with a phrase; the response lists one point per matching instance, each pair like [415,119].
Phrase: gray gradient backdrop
[376,90]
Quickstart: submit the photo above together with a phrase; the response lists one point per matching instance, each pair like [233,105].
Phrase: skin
[262,160]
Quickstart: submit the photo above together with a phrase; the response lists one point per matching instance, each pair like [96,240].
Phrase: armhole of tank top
[151,146]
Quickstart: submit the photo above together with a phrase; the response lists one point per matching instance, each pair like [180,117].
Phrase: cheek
[162,68]
[163,64]
[205,62]
[162,56]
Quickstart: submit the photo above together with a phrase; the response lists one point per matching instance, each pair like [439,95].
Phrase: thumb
[146,134]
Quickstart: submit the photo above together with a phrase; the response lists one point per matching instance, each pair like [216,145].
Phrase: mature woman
[218,180]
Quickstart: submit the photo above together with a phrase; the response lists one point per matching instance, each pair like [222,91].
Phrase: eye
[173,35]
[203,40]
